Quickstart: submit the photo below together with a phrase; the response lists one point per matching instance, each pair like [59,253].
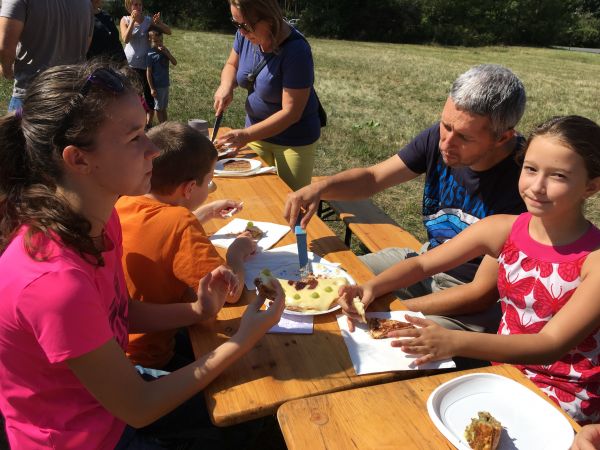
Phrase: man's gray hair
[493,91]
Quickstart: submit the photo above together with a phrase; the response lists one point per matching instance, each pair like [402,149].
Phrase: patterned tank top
[535,281]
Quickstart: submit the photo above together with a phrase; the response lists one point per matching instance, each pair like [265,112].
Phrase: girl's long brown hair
[54,115]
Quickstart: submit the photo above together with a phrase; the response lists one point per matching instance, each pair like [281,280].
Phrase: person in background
[588,438]
[165,249]
[35,35]
[548,276]
[157,73]
[282,120]
[134,34]
[468,159]
[105,41]
[65,382]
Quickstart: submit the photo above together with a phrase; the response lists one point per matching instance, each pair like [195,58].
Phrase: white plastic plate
[528,421]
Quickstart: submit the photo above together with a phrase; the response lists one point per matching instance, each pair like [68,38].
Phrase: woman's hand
[236,139]
[588,438]
[212,292]
[223,98]
[431,341]
[255,321]
[346,301]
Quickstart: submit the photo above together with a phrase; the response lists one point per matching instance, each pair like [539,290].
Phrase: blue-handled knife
[305,268]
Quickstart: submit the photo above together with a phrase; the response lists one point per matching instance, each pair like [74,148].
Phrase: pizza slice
[236,165]
[484,432]
[311,293]
[379,328]
[256,232]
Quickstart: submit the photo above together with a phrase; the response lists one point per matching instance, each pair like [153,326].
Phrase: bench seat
[371,226]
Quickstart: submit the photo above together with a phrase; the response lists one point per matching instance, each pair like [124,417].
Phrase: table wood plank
[387,416]
[281,367]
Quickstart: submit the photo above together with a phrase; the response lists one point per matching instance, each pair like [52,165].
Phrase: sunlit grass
[379,96]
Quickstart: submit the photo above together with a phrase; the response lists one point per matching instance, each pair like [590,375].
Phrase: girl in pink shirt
[65,382]
[548,274]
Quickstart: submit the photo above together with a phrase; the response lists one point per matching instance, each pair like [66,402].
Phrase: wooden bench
[371,226]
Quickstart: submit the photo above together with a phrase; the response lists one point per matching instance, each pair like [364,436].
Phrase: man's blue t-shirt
[455,198]
[159,64]
[291,67]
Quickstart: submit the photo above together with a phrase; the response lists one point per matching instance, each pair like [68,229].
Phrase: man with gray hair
[470,173]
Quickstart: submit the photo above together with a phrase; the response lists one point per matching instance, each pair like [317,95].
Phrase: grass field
[378,96]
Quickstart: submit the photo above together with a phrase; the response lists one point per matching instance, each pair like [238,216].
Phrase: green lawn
[378,96]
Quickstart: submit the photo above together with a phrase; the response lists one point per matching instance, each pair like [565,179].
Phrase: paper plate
[528,421]
[292,272]
[254,165]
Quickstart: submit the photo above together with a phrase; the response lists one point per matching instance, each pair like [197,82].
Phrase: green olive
[328,289]
[315,295]
[296,296]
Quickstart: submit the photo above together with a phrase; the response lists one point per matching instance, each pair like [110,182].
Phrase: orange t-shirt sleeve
[196,256]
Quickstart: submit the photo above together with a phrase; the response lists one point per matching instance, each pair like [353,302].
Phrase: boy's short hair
[185,155]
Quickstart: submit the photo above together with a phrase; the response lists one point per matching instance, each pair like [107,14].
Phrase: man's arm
[10,34]
[352,184]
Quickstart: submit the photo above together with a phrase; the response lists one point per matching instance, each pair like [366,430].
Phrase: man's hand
[306,199]
[156,19]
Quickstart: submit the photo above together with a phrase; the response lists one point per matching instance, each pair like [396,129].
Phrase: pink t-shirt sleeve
[73,320]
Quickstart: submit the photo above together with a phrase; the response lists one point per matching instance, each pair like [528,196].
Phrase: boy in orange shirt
[165,249]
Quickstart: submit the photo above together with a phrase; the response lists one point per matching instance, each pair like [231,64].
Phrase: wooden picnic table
[281,367]
[392,415]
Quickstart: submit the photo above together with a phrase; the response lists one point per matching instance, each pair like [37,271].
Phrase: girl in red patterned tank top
[548,274]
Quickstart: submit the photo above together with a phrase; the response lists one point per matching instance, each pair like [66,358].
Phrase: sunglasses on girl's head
[242,26]
[107,79]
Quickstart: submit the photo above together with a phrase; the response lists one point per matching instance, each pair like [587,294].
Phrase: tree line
[449,22]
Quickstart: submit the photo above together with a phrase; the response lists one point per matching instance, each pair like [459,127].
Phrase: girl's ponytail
[14,175]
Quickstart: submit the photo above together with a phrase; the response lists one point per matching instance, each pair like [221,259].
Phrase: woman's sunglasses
[242,26]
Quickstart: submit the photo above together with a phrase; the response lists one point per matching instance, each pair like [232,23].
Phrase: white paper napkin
[293,324]
[225,236]
[377,355]
[274,259]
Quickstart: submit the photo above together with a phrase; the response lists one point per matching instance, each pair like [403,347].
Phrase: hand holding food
[354,300]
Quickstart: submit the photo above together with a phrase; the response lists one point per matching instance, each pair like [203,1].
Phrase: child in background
[157,72]
[165,249]
[65,382]
[548,277]
[134,34]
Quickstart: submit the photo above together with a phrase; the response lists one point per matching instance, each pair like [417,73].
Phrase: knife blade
[305,266]
[216,127]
